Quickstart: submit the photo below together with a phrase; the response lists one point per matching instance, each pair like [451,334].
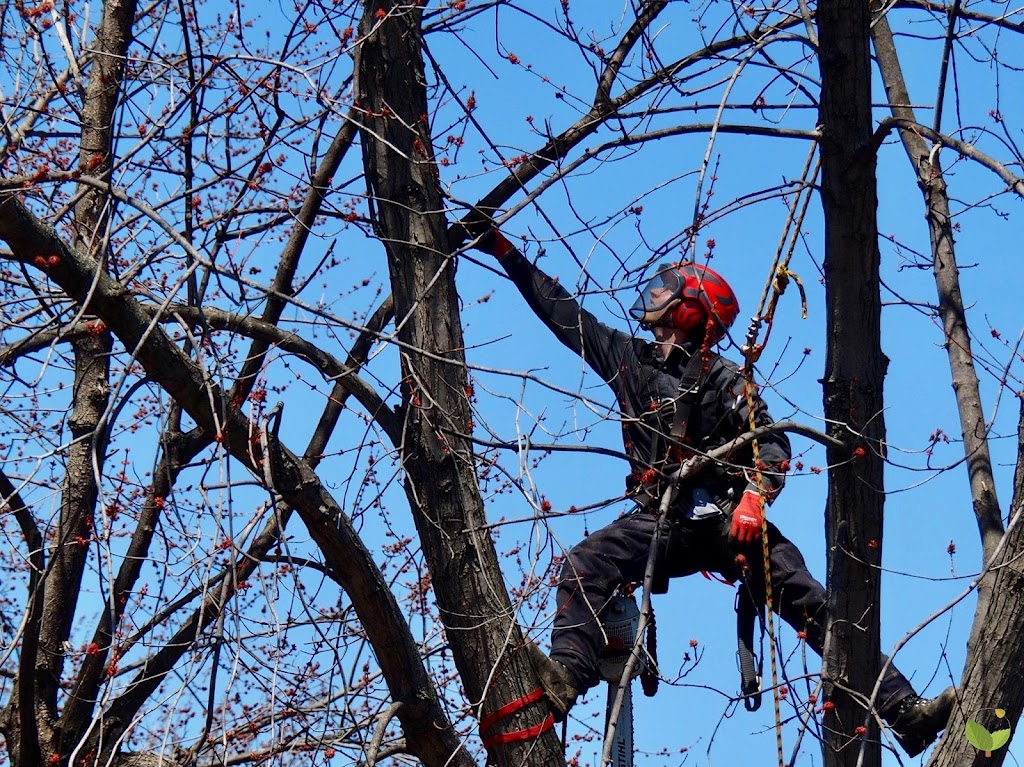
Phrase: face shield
[658,294]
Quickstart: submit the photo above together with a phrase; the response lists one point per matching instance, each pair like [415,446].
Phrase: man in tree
[678,398]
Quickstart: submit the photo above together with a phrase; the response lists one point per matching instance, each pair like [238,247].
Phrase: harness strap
[750,664]
[663,433]
[689,387]
[508,709]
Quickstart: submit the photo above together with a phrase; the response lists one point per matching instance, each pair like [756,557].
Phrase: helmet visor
[657,294]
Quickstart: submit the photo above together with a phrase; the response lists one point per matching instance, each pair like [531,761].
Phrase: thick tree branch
[440,476]
[22,703]
[639,26]
[558,147]
[180,449]
[86,454]
[964,375]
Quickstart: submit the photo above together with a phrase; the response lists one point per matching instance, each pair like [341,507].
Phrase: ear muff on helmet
[688,315]
[710,289]
[702,298]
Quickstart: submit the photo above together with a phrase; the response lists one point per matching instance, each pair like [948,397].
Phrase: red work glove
[493,243]
[480,226]
[747,519]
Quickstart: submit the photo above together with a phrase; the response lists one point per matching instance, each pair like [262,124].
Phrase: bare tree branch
[1014,183]
[352,565]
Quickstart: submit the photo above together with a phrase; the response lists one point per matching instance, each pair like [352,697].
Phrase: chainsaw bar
[622,740]
[620,620]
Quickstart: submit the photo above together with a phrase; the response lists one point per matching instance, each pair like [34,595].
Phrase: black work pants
[618,553]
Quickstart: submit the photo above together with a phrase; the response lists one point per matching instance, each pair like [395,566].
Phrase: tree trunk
[854,375]
[995,661]
[439,463]
[59,589]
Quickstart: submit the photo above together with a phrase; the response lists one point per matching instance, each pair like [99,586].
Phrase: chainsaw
[621,620]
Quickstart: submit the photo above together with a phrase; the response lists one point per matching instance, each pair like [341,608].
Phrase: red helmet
[704,300]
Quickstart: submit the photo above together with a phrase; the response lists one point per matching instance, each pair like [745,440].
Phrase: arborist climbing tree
[679,398]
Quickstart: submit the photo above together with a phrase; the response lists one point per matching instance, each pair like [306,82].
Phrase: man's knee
[610,556]
[579,559]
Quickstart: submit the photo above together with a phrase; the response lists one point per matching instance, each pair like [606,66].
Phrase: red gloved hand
[479,226]
[494,243]
[747,519]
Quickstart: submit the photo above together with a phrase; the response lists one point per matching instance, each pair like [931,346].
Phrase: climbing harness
[690,383]
[700,505]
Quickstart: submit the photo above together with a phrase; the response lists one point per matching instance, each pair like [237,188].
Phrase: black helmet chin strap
[664,320]
[658,323]
[694,337]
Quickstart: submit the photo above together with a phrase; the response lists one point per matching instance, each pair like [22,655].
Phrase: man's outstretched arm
[602,347]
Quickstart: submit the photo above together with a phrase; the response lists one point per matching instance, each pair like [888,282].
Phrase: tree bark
[439,463]
[854,375]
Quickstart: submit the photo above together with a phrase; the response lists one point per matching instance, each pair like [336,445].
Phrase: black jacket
[646,387]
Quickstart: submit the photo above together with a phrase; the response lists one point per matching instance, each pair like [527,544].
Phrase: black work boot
[556,681]
[916,722]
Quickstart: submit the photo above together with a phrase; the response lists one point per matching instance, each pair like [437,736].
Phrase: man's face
[660,299]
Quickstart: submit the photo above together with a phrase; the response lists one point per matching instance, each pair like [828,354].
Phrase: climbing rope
[778,280]
[769,596]
[780,274]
